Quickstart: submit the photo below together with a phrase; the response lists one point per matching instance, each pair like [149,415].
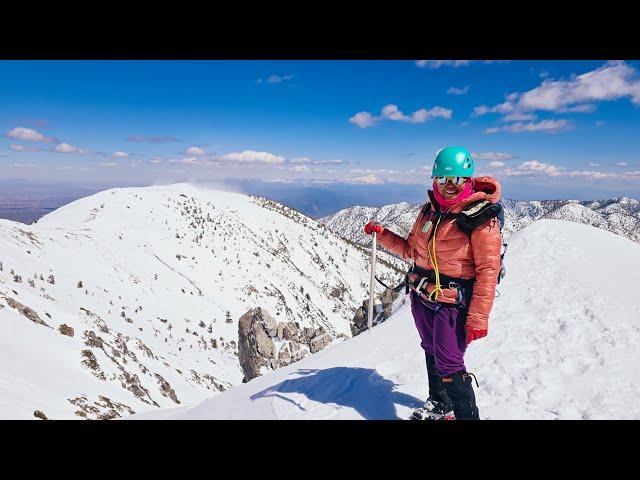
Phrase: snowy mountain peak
[148,284]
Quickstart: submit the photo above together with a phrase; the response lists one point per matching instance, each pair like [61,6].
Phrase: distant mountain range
[619,215]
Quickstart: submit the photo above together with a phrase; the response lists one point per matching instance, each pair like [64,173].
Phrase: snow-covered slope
[152,281]
[564,343]
[618,215]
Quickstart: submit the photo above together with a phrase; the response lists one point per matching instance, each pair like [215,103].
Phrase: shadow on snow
[362,389]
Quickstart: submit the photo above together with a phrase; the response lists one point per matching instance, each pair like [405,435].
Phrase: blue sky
[545,129]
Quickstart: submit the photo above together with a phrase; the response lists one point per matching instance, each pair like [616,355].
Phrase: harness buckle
[422,281]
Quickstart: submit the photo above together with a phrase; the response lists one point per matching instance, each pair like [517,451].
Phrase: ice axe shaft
[372,282]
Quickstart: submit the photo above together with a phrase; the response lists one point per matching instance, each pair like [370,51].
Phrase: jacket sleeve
[394,242]
[486,243]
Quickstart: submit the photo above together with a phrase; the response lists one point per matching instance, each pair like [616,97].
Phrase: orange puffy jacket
[458,254]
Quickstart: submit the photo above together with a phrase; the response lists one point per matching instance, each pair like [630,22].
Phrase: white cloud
[593,164]
[66,148]
[458,91]
[519,117]
[279,78]
[392,112]
[545,126]
[195,151]
[535,166]
[496,164]
[420,171]
[156,160]
[29,135]
[584,108]
[24,165]
[612,81]
[250,156]
[367,179]
[21,133]
[109,164]
[622,164]
[370,171]
[363,119]
[480,110]
[442,63]
[275,79]
[301,169]
[592,175]
[23,148]
[186,161]
[328,162]
[497,156]
[307,160]
[120,154]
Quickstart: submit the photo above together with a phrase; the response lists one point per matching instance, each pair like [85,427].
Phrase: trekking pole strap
[394,289]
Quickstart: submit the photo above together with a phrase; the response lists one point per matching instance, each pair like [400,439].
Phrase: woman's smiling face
[450,190]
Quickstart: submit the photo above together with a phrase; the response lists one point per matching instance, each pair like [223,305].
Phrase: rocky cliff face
[265,344]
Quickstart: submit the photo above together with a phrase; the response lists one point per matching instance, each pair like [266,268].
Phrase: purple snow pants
[442,335]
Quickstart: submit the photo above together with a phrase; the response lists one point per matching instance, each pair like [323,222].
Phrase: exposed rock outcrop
[381,312]
[66,330]
[255,347]
[265,343]
[165,389]
[40,415]
[24,310]
[318,343]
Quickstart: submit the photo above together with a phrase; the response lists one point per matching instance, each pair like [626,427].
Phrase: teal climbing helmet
[453,162]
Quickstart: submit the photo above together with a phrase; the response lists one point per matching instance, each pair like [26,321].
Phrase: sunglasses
[457,181]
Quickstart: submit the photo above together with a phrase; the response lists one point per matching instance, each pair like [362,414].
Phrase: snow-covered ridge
[619,215]
[151,282]
[563,343]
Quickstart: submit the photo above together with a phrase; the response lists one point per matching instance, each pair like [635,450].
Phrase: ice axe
[372,283]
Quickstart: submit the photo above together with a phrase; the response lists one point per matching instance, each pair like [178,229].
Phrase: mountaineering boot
[438,406]
[433,410]
[460,390]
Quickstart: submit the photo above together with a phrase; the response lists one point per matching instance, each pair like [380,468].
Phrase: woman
[455,247]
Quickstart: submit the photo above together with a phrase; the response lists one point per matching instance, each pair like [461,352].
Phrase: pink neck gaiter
[445,204]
